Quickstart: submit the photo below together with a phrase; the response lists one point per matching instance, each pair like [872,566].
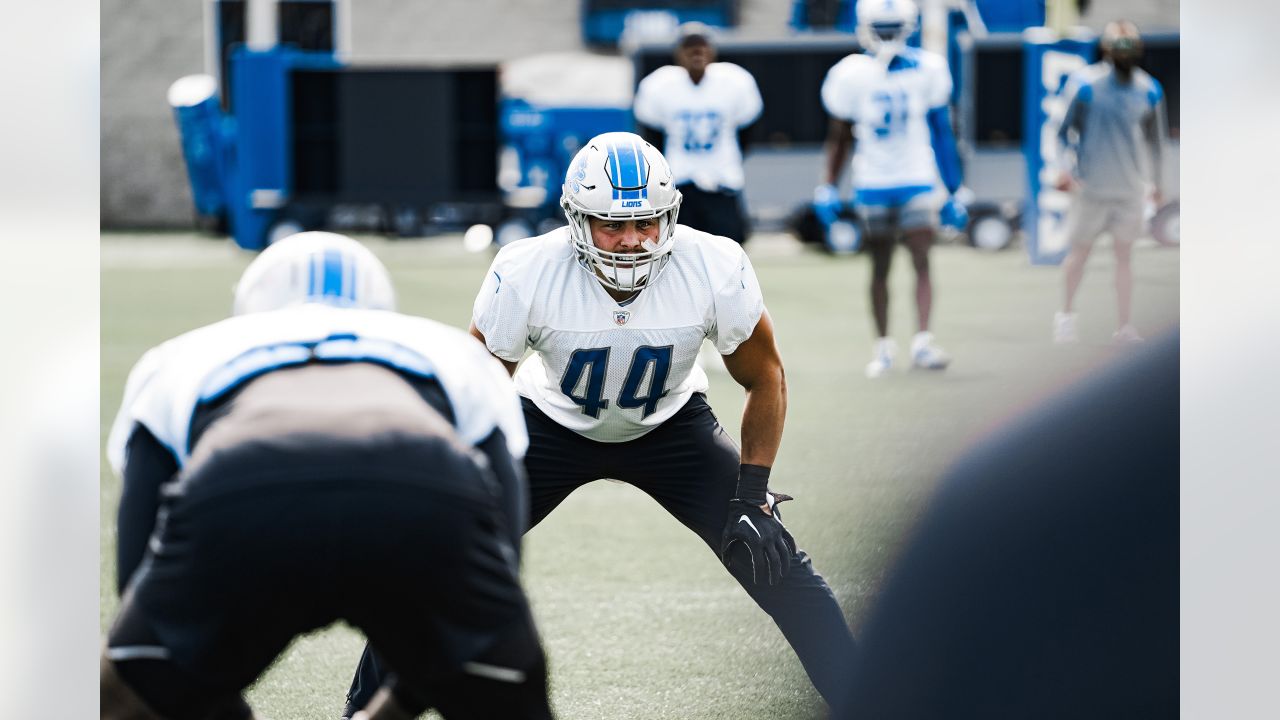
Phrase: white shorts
[905,208]
[1090,217]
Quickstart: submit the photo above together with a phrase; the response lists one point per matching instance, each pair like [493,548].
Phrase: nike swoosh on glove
[766,539]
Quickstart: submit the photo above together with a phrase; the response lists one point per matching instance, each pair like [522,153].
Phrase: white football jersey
[608,371]
[172,379]
[701,121]
[888,109]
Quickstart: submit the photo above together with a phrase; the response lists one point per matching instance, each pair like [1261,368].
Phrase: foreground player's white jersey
[701,121]
[888,108]
[614,372]
[174,378]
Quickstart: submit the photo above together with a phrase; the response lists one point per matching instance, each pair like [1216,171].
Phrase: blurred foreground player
[1042,581]
[702,109]
[890,103]
[615,307]
[319,434]
[1115,111]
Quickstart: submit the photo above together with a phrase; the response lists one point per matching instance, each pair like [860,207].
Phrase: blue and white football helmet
[619,176]
[885,25]
[314,267]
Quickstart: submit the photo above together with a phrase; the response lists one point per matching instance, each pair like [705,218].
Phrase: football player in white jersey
[698,112]
[317,433]
[614,308]
[891,103]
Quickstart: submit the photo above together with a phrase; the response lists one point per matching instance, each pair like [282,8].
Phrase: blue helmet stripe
[628,163]
[333,284]
[642,175]
[313,275]
[615,171]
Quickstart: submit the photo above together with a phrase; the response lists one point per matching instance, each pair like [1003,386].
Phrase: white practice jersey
[888,108]
[171,380]
[614,372]
[701,121]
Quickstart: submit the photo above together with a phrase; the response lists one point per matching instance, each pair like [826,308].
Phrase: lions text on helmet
[620,179]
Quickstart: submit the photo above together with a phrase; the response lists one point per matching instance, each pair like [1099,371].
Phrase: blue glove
[826,203]
[954,215]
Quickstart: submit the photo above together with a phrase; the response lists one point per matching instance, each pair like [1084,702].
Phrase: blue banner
[1047,61]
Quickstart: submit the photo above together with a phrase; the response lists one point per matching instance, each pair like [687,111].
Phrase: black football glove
[766,540]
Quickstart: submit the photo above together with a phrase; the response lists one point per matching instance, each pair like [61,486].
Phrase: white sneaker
[926,355]
[1064,328]
[1126,335]
[882,353]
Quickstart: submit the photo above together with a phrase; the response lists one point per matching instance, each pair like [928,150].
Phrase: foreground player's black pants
[690,466]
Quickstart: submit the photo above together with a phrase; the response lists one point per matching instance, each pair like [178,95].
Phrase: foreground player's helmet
[314,267]
[619,176]
[885,24]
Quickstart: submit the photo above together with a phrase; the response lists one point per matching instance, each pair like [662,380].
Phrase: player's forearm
[150,465]
[762,420]
[839,142]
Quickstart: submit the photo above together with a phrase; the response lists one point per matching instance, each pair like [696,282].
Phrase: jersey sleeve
[122,428]
[1155,129]
[492,402]
[938,89]
[1078,93]
[840,90]
[647,105]
[749,104]
[499,313]
[738,307]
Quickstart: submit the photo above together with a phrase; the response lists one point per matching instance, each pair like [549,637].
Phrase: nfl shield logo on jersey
[620,317]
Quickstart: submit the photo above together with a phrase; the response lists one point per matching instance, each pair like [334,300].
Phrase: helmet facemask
[619,177]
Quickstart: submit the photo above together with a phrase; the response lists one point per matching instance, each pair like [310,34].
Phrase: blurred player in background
[1116,109]
[891,105]
[318,434]
[698,111]
[615,307]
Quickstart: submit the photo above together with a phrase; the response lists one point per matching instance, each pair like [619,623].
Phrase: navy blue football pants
[689,465]
[719,212]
